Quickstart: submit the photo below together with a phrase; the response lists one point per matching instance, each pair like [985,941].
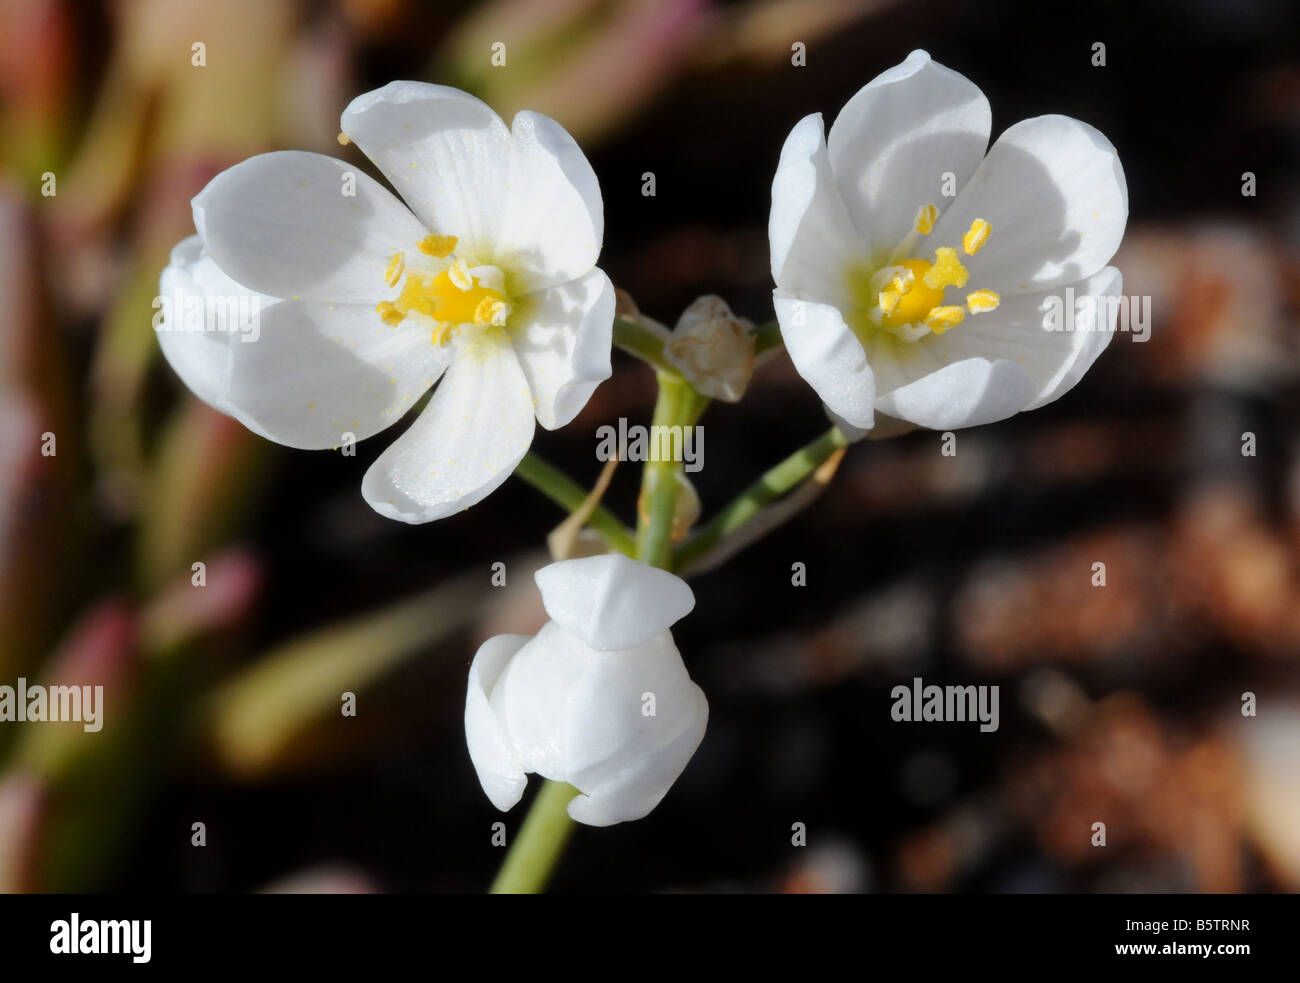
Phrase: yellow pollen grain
[947,270]
[343,140]
[925,219]
[982,301]
[393,271]
[940,319]
[440,247]
[973,241]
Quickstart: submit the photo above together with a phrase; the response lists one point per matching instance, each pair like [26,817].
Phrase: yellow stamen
[460,276]
[389,313]
[909,296]
[898,287]
[491,311]
[947,270]
[444,299]
[973,241]
[925,219]
[440,247]
[982,301]
[393,271]
[940,319]
[343,140]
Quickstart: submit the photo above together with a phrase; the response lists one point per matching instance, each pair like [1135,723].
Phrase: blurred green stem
[776,482]
[569,495]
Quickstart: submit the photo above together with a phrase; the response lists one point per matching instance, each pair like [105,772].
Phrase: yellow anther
[389,313]
[440,247]
[940,319]
[899,286]
[973,241]
[343,140]
[982,301]
[450,298]
[925,219]
[947,270]
[907,298]
[903,279]
[460,276]
[393,271]
[491,311]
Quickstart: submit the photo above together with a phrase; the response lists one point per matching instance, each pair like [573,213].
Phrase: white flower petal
[813,240]
[465,443]
[1105,283]
[296,373]
[967,393]
[490,748]
[285,224]
[554,218]
[1055,360]
[1053,190]
[201,358]
[577,715]
[446,152]
[644,778]
[612,601]
[564,345]
[893,142]
[829,357]
[319,371]
[523,198]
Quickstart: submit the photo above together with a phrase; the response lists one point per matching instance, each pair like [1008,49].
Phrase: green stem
[647,345]
[541,841]
[677,405]
[569,495]
[767,336]
[767,489]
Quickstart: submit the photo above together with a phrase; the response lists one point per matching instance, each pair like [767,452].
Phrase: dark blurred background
[1119,704]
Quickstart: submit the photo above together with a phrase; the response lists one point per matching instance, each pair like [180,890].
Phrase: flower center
[906,298]
[453,297]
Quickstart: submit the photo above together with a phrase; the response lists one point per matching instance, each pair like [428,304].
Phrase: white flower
[488,275]
[937,310]
[598,698]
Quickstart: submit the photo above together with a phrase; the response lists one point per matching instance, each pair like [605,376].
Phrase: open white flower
[937,310]
[598,698]
[489,276]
